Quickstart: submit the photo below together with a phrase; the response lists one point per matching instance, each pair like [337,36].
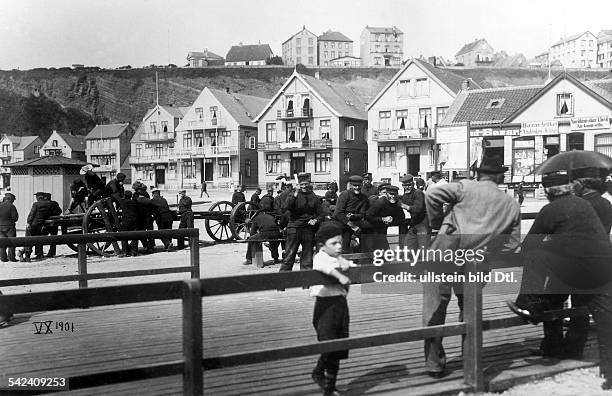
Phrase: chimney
[227,90]
[318,75]
[465,85]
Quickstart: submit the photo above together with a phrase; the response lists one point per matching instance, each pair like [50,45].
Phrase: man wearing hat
[52,229]
[238,195]
[8,219]
[413,201]
[383,213]
[267,201]
[368,189]
[78,192]
[481,217]
[305,213]
[350,210]
[41,211]
[162,215]
[129,221]
[186,214]
[95,185]
[114,188]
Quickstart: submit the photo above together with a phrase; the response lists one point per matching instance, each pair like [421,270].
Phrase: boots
[329,386]
[318,374]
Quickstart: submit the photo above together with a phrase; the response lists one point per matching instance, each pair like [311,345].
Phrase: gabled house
[477,53]
[248,55]
[301,48]
[108,146]
[381,46]
[332,46]
[216,141]
[15,149]
[203,59]
[66,145]
[402,119]
[314,126]
[604,49]
[576,51]
[154,138]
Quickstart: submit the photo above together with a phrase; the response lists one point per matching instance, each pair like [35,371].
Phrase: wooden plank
[194,255]
[472,351]
[192,339]
[125,375]
[82,265]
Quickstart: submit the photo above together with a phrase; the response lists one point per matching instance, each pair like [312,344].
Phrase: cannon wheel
[102,217]
[240,219]
[217,221]
[66,231]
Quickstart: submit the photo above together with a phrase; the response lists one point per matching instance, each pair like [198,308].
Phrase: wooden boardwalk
[117,337]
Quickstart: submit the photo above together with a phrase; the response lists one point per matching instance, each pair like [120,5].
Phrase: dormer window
[565,104]
[54,143]
[495,103]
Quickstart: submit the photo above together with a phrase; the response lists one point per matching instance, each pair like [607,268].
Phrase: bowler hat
[355,179]
[303,177]
[491,165]
[40,194]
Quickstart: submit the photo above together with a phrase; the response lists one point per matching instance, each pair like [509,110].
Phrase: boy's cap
[367,175]
[327,231]
[391,188]
[383,186]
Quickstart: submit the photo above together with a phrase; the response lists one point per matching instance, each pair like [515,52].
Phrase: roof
[206,55]
[242,53]
[14,139]
[293,35]
[516,60]
[604,36]
[243,108]
[447,79]
[602,87]
[109,131]
[75,142]
[345,57]
[334,36]
[139,131]
[53,160]
[176,112]
[26,141]
[570,38]
[470,46]
[339,98]
[392,29]
[475,105]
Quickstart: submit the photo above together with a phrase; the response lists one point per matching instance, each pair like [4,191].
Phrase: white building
[381,47]
[577,51]
[604,49]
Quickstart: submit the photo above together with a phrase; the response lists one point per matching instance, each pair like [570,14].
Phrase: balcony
[4,169]
[105,168]
[101,151]
[157,136]
[205,123]
[220,151]
[301,145]
[5,154]
[403,134]
[149,159]
[293,114]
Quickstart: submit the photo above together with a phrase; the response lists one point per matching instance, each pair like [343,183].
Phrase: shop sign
[540,128]
[586,123]
[493,132]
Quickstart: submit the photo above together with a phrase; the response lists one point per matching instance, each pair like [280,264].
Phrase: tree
[275,60]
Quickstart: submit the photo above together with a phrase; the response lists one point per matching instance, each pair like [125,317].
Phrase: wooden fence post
[194,253]
[193,384]
[472,343]
[82,265]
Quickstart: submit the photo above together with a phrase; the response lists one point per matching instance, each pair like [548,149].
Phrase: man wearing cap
[114,188]
[383,213]
[413,201]
[95,185]
[267,201]
[368,189]
[264,227]
[255,197]
[145,220]
[52,229]
[238,195]
[41,211]
[8,219]
[78,192]
[350,211]
[162,215]
[186,215]
[129,222]
[481,217]
[305,213]
[588,184]
[436,180]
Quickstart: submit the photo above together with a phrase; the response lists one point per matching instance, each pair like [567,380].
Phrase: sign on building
[587,123]
[540,128]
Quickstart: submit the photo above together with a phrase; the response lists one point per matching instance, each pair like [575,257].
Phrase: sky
[113,33]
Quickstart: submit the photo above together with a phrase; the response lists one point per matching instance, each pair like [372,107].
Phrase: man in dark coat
[40,212]
[52,229]
[8,219]
[331,196]
[384,212]
[129,221]
[78,192]
[95,186]
[304,215]
[267,201]
[368,189]
[114,188]
[350,211]
[163,216]
[255,197]
[416,226]
[238,195]
[145,221]
[263,227]
[186,214]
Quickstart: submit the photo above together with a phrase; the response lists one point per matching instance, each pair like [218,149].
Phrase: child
[331,316]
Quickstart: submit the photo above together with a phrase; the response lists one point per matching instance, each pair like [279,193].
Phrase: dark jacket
[41,211]
[369,191]
[129,209]
[95,185]
[416,200]
[8,214]
[266,202]
[255,198]
[184,205]
[349,202]
[303,208]
[145,212]
[266,224]
[382,208]
[115,190]
[161,210]
[78,188]
[238,197]
[602,207]
[331,197]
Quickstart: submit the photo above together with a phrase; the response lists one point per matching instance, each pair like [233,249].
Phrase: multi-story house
[66,145]
[301,48]
[542,59]
[345,61]
[381,47]
[577,51]
[477,53]
[216,141]
[203,59]
[15,149]
[153,139]
[313,126]
[403,116]
[333,45]
[248,55]
[604,49]
[108,146]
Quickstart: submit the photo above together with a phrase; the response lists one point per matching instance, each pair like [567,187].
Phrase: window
[213,112]
[187,140]
[36,149]
[164,126]
[251,142]
[495,103]
[298,50]
[290,132]
[224,139]
[199,139]
[310,60]
[384,118]
[138,150]
[325,45]
[401,119]
[299,59]
[403,88]
[424,119]
[303,131]
[349,132]
[325,54]
[324,128]
[54,143]
[310,42]
[199,113]
[346,46]
[440,114]
[333,54]
[310,50]
[270,132]
[298,41]
[565,104]
[273,163]
[603,144]
[187,170]
[332,45]
[575,141]
[347,162]
[153,127]
[247,168]
[422,87]
[322,162]
[386,156]
[224,167]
